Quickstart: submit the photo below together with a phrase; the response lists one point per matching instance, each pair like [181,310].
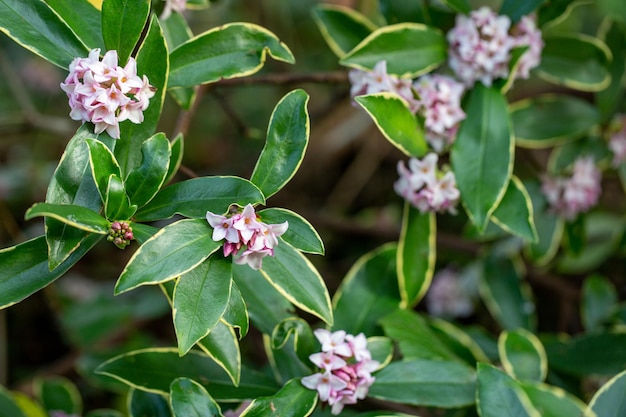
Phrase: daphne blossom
[439,103]
[480,46]
[571,195]
[450,295]
[345,369]
[245,236]
[425,187]
[377,81]
[617,139]
[104,93]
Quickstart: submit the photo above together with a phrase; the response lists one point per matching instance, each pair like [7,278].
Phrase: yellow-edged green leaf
[395,121]
[458,341]
[499,395]
[416,254]
[236,314]
[287,140]
[190,399]
[515,212]
[293,400]
[76,216]
[122,24]
[300,234]
[222,346]
[552,401]
[102,163]
[145,180]
[608,401]
[229,51]
[60,394]
[83,18]
[522,355]
[142,403]
[8,407]
[599,302]
[417,49]
[117,205]
[341,27]
[549,227]
[177,31]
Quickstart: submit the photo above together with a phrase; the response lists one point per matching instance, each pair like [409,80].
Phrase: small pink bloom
[333,342]
[327,361]
[325,383]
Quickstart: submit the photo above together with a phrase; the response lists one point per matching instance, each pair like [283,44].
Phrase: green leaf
[552,401]
[395,121]
[458,341]
[266,306]
[522,355]
[608,401]
[236,314]
[505,295]
[153,62]
[194,197]
[295,277]
[516,9]
[417,49]
[222,346]
[71,183]
[579,356]
[482,155]
[549,119]
[143,404]
[421,342]
[117,205]
[171,252]
[39,29]
[300,234]
[299,331]
[381,349]
[75,216]
[122,24]
[154,369]
[60,394]
[104,412]
[145,180]
[25,268]
[200,299]
[284,361]
[578,61]
[515,212]
[417,252]
[102,163]
[176,157]
[609,99]
[287,139]
[549,227]
[84,20]
[599,302]
[143,232]
[429,383]
[498,395]
[293,400]
[229,51]
[554,12]
[177,31]
[461,6]
[8,407]
[371,284]
[341,27]
[189,399]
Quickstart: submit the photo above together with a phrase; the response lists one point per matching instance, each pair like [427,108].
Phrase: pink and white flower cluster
[102,92]
[480,46]
[569,196]
[248,238]
[346,368]
[379,81]
[425,187]
[617,139]
[439,103]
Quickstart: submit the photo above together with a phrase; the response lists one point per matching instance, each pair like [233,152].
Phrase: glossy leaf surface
[200,299]
[371,284]
[515,212]
[522,355]
[190,399]
[395,121]
[122,24]
[417,49]
[293,400]
[422,382]
[117,205]
[102,163]
[83,18]
[498,395]
[552,401]
[75,216]
[482,177]
[608,401]
[143,403]
[145,180]
[287,140]
[300,234]
[342,28]
[39,29]
[171,252]
[8,407]
[236,314]
[57,393]
[516,9]
[229,51]
[416,254]
[599,301]
[296,279]
[194,197]
[222,346]
[153,370]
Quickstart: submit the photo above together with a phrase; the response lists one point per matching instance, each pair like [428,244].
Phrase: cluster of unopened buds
[345,369]
[246,237]
[480,46]
[102,92]
[571,195]
[617,139]
[425,187]
[120,233]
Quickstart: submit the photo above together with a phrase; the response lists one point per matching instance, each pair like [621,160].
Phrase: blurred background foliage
[344,188]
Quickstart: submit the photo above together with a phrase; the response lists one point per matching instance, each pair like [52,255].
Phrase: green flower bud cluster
[120,233]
